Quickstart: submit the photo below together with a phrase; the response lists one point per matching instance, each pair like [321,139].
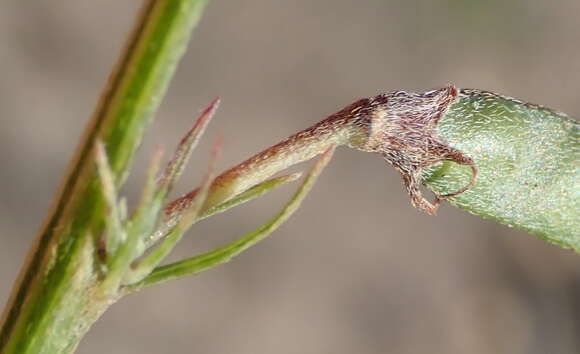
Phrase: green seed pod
[528,159]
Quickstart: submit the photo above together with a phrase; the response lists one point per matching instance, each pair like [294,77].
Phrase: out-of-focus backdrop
[357,269]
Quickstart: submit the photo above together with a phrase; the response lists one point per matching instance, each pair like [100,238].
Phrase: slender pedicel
[400,126]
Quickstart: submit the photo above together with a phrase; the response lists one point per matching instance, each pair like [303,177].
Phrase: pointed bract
[176,165]
[114,233]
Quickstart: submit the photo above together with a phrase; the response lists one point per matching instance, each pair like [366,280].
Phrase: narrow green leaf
[251,194]
[222,255]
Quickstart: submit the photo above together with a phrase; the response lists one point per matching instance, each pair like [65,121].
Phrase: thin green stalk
[55,299]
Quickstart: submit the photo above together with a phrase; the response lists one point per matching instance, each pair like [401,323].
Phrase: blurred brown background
[357,269]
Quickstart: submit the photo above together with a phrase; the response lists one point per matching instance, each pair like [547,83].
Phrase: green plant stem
[56,298]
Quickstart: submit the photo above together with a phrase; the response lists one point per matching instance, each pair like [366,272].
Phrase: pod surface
[529,164]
